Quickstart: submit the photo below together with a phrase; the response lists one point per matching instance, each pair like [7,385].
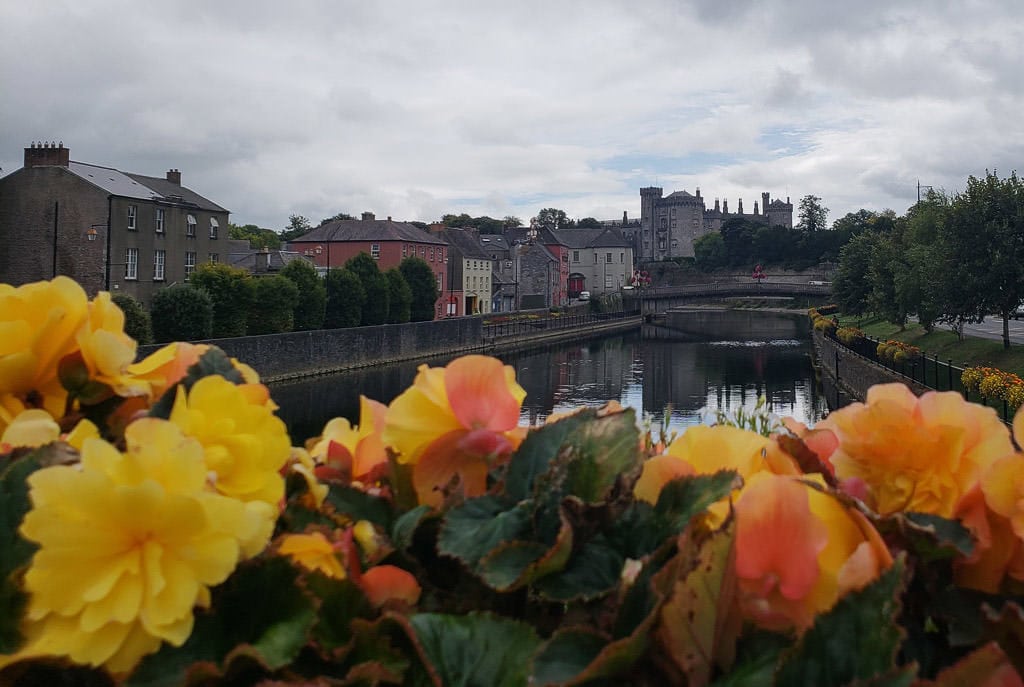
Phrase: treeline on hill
[743,243]
[951,259]
[223,301]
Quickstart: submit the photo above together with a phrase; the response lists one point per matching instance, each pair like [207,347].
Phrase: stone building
[669,225]
[600,260]
[107,229]
[469,271]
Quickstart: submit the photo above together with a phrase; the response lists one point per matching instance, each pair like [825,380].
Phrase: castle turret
[645,243]
[739,208]
[756,212]
[725,206]
[764,201]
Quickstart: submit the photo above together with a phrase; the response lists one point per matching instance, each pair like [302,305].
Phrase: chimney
[698,191]
[47,155]
[174,176]
[717,207]
[623,218]
[740,208]
[389,218]
[725,206]
[756,211]
[368,217]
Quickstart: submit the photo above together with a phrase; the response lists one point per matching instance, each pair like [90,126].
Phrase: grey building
[600,260]
[107,229]
[669,225]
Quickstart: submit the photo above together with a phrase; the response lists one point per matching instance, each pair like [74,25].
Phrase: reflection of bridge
[661,298]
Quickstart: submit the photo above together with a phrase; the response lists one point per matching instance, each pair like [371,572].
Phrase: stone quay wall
[846,376]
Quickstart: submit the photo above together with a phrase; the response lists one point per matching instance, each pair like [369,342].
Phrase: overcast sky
[416,109]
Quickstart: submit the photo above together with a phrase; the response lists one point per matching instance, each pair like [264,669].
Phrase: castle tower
[764,202]
[645,242]
[739,209]
[756,212]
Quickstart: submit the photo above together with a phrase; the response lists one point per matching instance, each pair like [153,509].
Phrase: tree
[273,309]
[850,286]
[345,298]
[553,218]
[336,218]
[310,310]
[257,238]
[399,297]
[511,222]
[813,216]
[709,252]
[423,283]
[297,226]
[231,289]
[181,313]
[137,323]
[375,286]
[589,223]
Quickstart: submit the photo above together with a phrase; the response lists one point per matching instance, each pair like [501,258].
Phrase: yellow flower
[129,544]
[354,452]
[915,454]
[106,350]
[313,552]
[38,325]
[303,464]
[244,442]
[31,428]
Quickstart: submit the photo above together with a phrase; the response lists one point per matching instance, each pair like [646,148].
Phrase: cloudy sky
[418,108]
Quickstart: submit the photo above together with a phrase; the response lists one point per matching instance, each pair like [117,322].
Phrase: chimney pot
[47,155]
[368,217]
[174,176]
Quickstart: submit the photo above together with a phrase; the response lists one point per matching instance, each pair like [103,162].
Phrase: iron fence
[519,324]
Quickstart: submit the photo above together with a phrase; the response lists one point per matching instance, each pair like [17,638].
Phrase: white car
[584,295]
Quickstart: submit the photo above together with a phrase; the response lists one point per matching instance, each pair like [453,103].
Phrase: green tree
[335,218]
[297,226]
[399,297]
[462,220]
[231,289]
[511,222]
[709,252]
[553,218]
[137,323]
[273,309]
[345,298]
[257,238]
[813,215]
[375,286]
[181,313]
[423,283]
[589,223]
[850,285]
[311,308]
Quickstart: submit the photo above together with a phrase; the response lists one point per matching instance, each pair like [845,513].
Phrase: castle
[670,225]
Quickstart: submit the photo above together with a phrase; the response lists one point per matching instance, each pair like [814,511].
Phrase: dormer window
[190,226]
[214,226]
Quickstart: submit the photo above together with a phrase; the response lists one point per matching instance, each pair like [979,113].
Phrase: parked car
[1018,311]
[584,295]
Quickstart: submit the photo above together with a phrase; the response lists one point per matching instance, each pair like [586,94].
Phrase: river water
[669,381]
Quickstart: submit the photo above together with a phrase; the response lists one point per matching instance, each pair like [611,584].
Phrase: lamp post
[92,234]
[919,187]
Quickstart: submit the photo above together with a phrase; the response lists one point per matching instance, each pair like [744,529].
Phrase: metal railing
[519,324]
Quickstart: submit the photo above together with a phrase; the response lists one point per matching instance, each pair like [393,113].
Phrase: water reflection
[660,378]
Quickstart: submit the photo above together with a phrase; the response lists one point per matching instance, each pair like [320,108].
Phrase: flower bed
[898,352]
[993,383]
[158,526]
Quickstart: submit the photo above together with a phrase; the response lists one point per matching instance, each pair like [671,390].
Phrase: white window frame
[214,226]
[160,220]
[190,263]
[131,264]
[375,251]
[190,226]
[214,258]
[575,256]
[159,263]
[440,282]
[133,211]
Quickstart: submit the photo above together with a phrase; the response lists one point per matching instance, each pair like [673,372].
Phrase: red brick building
[388,242]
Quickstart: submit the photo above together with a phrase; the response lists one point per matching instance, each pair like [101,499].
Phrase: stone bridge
[659,299]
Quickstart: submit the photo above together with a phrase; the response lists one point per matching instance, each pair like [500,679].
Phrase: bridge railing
[517,325]
[739,288]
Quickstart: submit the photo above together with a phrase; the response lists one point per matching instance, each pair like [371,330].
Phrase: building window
[132,212]
[190,226]
[423,251]
[405,250]
[190,263]
[159,220]
[440,282]
[622,258]
[575,256]
[595,258]
[213,227]
[431,255]
[131,263]
[608,281]
[375,251]
[215,258]
[608,257]
[159,256]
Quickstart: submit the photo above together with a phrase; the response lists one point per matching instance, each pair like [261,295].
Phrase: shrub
[273,310]
[897,351]
[137,323]
[311,306]
[828,309]
[345,298]
[423,283]
[849,335]
[399,297]
[232,290]
[181,312]
[993,383]
[375,284]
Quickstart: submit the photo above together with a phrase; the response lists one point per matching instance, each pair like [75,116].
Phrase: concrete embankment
[707,323]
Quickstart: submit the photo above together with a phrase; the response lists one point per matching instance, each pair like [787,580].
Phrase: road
[992,328]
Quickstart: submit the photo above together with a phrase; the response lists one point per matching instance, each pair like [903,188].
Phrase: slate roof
[592,238]
[369,230]
[126,185]
[465,241]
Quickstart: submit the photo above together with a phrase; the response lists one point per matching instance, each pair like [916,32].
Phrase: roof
[679,194]
[126,185]
[465,242]
[592,238]
[258,261]
[369,230]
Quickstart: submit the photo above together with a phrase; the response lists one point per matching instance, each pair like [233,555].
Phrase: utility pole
[919,187]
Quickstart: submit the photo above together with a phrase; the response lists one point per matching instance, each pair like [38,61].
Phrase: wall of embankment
[846,376]
[300,354]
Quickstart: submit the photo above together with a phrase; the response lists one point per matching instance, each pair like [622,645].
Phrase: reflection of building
[107,229]
[670,225]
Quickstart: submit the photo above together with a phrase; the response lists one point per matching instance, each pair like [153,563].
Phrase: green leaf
[856,640]
[757,656]
[359,505]
[475,649]
[540,447]
[1006,626]
[593,570]
[683,498]
[519,563]
[604,449]
[477,527]
[929,537]
[341,601]
[566,655]
[405,527]
[15,551]
[259,613]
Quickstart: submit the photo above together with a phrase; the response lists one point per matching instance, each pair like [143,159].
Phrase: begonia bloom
[313,552]
[358,451]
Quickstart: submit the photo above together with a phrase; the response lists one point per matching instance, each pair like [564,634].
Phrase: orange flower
[798,550]
[915,454]
[385,583]
[456,420]
[313,552]
[166,366]
[706,450]
[357,452]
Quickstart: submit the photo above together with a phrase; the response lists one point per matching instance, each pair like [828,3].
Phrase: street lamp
[919,187]
[91,235]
